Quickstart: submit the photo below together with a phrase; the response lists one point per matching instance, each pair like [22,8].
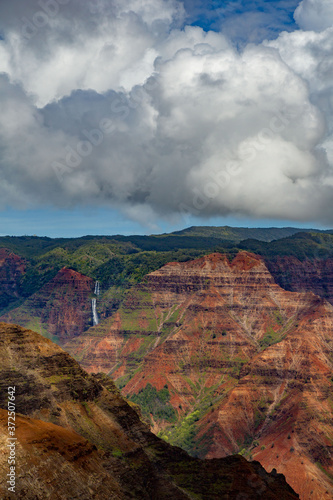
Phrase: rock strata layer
[248,365]
[78,438]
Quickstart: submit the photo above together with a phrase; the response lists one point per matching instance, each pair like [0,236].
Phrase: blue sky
[92,221]
[143,118]
[244,20]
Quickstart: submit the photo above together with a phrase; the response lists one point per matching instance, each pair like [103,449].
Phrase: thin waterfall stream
[94,304]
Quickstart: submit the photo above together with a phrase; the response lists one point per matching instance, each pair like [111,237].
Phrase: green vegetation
[238,234]
[302,245]
[122,261]
[87,408]
[122,381]
[35,278]
[259,418]
[55,379]
[117,453]
[248,440]
[184,434]
[330,476]
[127,270]
[271,337]
[156,403]
[278,317]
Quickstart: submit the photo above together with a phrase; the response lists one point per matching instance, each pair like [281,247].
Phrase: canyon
[238,364]
[77,437]
[228,353]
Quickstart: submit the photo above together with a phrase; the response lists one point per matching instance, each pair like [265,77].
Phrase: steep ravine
[78,438]
[222,360]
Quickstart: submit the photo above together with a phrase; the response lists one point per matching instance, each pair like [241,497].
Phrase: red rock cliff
[253,360]
[314,275]
[62,308]
[12,268]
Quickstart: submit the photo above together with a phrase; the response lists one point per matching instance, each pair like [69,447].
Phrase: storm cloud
[121,104]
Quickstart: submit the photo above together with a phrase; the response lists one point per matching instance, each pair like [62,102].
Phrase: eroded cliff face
[78,438]
[12,268]
[60,310]
[245,363]
[280,412]
[206,313]
[314,275]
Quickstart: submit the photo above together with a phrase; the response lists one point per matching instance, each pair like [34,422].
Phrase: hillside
[121,261]
[177,339]
[12,271]
[78,438]
[61,309]
[222,360]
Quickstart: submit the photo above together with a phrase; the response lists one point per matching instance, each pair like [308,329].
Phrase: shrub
[155,402]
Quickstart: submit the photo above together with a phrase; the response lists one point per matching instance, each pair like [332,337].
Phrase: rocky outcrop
[314,275]
[60,310]
[280,412]
[78,438]
[243,361]
[230,309]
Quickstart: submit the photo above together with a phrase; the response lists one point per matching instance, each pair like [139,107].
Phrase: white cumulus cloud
[116,103]
[316,15]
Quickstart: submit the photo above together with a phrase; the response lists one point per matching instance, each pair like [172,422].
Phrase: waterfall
[94,312]
[94,303]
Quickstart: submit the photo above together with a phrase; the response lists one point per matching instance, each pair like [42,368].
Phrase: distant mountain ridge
[238,234]
[33,246]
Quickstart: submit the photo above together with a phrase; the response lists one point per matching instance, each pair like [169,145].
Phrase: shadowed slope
[78,438]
